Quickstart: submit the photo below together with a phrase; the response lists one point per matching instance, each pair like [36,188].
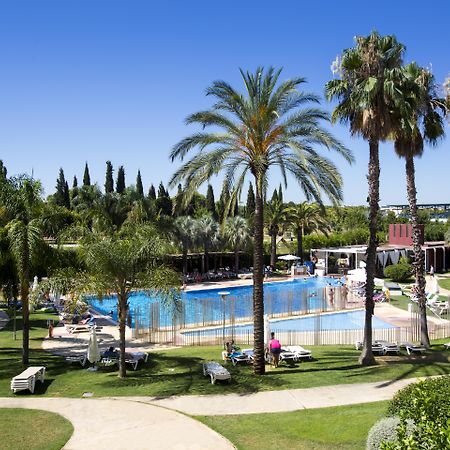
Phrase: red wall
[401,234]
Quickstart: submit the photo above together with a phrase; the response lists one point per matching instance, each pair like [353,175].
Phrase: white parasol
[289,258]
[93,352]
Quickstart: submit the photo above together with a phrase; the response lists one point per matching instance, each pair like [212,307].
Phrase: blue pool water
[348,320]
[206,307]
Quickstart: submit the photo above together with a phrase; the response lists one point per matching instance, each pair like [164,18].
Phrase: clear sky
[97,80]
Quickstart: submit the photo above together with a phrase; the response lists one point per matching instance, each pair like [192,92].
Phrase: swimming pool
[206,307]
[347,320]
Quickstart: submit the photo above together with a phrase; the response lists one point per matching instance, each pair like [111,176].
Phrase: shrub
[385,430]
[398,272]
[426,404]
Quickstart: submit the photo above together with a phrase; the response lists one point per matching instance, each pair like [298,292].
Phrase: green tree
[207,234]
[3,171]
[422,121]
[250,205]
[210,202]
[139,186]
[152,193]
[109,182]
[184,231]
[126,262]
[86,176]
[120,183]
[306,218]
[163,202]
[237,234]
[62,196]
[260,128]
[21,201]
[367,91]
[276,216]
[280,193]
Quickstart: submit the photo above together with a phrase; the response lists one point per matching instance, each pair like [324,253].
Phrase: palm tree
[263,127]
[237,234]
[307,218]
[421,121]
[275,220]
[125,262]
[184,232]
[21,201]
[367,93]
[207,233]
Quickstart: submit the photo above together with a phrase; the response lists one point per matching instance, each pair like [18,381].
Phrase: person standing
[275,349]
[431,271]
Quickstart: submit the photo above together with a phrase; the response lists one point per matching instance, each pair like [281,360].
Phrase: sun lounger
[301,352]
[215,371]
[78,358]
[447,345]
[387,347]
[27,379]
[239,357]
[288,357]
[77,328]
[412,348]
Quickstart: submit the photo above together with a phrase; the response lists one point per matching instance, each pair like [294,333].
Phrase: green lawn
[31,429]
[178,371]
[445,283]
[337,428]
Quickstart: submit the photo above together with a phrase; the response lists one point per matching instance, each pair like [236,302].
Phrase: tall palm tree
[207,232]
[125,262]
[184,232]
[261,128]
[237,235]
[21,202]
[307,218]
[367,91]
[421,121]
[275,220]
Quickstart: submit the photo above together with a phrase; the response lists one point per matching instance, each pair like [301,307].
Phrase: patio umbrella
[289,258]
[93,352]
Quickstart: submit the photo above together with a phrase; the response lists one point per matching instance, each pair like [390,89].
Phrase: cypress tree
[163,202]
[222,203]
[280,194]
[250,206]
[3,171]
[210,203]
[74,187]
[109,182]
[274,196]
[66,195]
[120,183]
[60,194]
[178,208]
[86,176]
[139,187]
[152,193]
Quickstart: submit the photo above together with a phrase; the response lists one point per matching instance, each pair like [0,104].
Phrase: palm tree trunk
[236,260]
[418,264]
[24,291]
[206,258]
[123,310]
[366,358]
[300,244]
[273,248]
[185,268]
[258,278]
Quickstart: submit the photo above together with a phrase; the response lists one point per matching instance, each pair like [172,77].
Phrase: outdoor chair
[412,348]
[27,379]
[387,347]
[215,371]
[301,352]
[288,357]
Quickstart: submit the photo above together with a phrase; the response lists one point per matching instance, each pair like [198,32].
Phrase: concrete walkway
[281,401]
[118,424]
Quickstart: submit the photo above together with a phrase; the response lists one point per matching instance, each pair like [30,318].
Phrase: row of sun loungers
[288,354]
[381,347]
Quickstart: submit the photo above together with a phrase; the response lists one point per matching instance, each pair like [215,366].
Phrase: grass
[31,429]
[445,283]
[178,371]
[339,428]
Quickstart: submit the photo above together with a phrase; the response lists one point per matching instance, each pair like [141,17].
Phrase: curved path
[116,424]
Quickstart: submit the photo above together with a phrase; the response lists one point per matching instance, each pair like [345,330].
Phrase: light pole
[223,294]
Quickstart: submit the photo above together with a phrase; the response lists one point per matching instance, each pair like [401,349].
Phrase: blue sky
[98,80]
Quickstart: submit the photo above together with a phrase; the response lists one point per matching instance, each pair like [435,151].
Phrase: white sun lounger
[413,348]
[77,328]
[215,371]
[288,356]
[387,347]
[301,352]
[27,379]
[79,358]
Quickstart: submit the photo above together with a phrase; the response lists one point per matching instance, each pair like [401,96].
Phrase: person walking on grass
[274,349]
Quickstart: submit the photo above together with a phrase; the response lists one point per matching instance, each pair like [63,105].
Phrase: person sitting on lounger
[111,353]
[275,349]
